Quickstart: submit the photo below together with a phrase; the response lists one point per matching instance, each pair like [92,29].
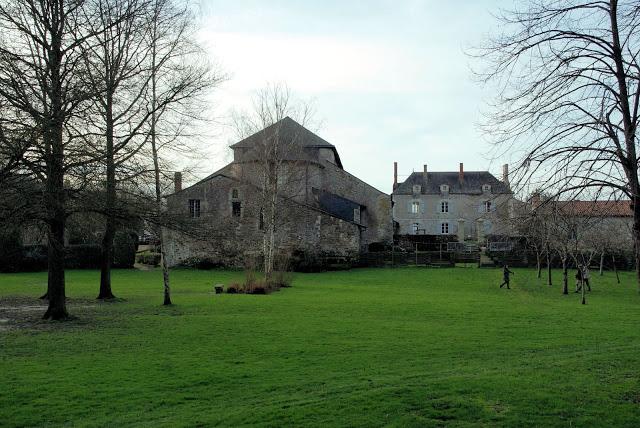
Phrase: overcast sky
[389,79]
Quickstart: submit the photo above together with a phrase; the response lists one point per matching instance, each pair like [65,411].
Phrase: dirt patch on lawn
[19,312]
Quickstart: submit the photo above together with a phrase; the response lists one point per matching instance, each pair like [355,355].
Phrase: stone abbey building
[322,210]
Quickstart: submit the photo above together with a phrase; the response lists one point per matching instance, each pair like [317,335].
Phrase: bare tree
[116,72]
[179,80]
[40,82]
[568,93]
[277,152]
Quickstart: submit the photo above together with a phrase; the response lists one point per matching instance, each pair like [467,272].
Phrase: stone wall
[222,238]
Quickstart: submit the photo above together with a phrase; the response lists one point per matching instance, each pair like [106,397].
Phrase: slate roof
[336,205]
[472,184]
[289,127]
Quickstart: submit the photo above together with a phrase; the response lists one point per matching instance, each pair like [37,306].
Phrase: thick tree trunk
[55,192]
[582,287]
[538,264]
[110,201]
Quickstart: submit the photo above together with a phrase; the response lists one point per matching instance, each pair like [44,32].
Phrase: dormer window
[486,188]
[417,189]
[444,188]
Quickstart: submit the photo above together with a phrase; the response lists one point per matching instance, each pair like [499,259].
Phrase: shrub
[259,287]
[203,263]
[10,251]
[125,245]
[281,279]
[83,256]
[149,258]
[234,288]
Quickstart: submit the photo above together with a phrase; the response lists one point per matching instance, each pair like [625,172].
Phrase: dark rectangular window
[236,209]
[194,208]
[234,193]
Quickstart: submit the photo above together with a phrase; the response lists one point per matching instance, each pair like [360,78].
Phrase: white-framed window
[417,188]
[444,188]
[487,206]
[194,208]
[444,207]
[444,228]
[414,228]
[486,188]
[415,207]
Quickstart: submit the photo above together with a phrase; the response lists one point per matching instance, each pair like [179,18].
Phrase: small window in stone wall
[194,208]
[444,228]
[236,208]
[356,215]
[234,193]
[415,207]
[487,206]
[444,207]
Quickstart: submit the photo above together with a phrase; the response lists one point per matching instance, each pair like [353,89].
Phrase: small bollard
[219,288]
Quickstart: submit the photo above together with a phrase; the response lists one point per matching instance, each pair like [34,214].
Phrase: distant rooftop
[471,184]
[289,128]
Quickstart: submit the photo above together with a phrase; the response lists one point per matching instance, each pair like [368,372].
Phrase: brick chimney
[425,172]
[395,175]
[461,173]
[177,181]
[505,174]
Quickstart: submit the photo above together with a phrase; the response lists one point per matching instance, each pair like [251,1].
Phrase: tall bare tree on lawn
[567,75]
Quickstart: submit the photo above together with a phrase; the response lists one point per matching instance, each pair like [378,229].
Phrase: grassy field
[403,347]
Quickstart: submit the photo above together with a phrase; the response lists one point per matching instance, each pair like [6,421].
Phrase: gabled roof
[289,128]
[472,183]
[597,208]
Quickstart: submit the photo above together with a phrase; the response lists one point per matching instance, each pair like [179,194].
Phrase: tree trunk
[165,270]
[156,166]
[582,287]
[601,263]
[565,279]
[110,201]
[538,264]
[55,193]
[549,282]
[615,268]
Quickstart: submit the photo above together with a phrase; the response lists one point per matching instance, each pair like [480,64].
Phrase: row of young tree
[557,230]
[96,98]
[566,75]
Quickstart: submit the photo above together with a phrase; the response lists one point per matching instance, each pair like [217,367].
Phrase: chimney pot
[461,173]
[425,168]
[177,181]
[505,174]
[395,175]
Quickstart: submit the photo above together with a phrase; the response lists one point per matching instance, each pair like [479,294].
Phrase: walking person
[505,277]
[579,279]
[585,277]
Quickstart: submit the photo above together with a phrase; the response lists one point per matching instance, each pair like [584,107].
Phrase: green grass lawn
[372,347]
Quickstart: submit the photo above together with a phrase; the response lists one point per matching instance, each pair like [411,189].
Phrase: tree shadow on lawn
[21,312]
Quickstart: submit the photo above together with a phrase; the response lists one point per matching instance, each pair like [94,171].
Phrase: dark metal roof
[336,205]
[289,128]
[472,183]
